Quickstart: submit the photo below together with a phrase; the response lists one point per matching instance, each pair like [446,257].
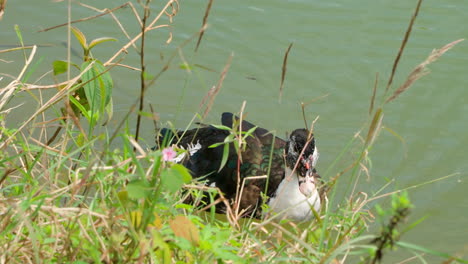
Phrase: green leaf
[138,189]
[225,157]
[184,206]
[123,197]
[163,251]
[109,111]
[374,127]
[183,171]
[415,223]
[171,180]
[379,210]
[91,86]
[185,66]
[80,107]
[216,145]
[227,140]
[18,34]
[222,127]
[60,67]
[148,76]
[80,37]
[98,86]
[97,41]
[249,133]
[80,140]
[49,240]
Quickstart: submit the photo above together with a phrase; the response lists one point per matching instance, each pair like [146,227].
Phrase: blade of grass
[411,246]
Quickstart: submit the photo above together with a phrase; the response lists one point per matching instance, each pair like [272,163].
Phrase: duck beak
[308,162]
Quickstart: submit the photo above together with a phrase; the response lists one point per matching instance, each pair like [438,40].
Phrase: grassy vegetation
[68,195]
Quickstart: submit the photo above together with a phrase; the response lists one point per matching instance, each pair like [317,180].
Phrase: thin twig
[135,12]
[239,189]
[84,19]
[17,48]
[304,104]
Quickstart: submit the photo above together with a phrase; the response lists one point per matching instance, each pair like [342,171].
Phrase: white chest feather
[291,202]
[191,148]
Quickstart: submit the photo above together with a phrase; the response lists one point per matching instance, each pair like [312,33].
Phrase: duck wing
[263,156]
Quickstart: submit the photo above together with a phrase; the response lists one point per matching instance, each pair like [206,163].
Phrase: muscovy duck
[291,184]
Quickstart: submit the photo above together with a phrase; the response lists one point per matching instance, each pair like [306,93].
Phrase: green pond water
[339,46]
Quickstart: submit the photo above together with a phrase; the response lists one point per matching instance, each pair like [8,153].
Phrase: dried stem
[420,70]
[283,71]
[148,28]
[85,19]
[204,25]
[403,45]
[374,92]
[215,89]
[143,68]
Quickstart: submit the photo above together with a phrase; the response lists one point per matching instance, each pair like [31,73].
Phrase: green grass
[69,195]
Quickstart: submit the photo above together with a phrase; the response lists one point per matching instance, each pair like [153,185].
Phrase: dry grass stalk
[146,14]
[374,92]
[148,28]
[283,70]
[57,97]
[420,70]
[300,242]
[304,104]
[104,12]
[403,45]
[215,89]
[15,49]
[240,192]
[204,25]
[238,197]
[374,127]
[2,8]
[8,91]
[344,237]
[412,187]
[233,220]
[111,13]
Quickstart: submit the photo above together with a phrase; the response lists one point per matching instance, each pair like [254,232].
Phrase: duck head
[301,150]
